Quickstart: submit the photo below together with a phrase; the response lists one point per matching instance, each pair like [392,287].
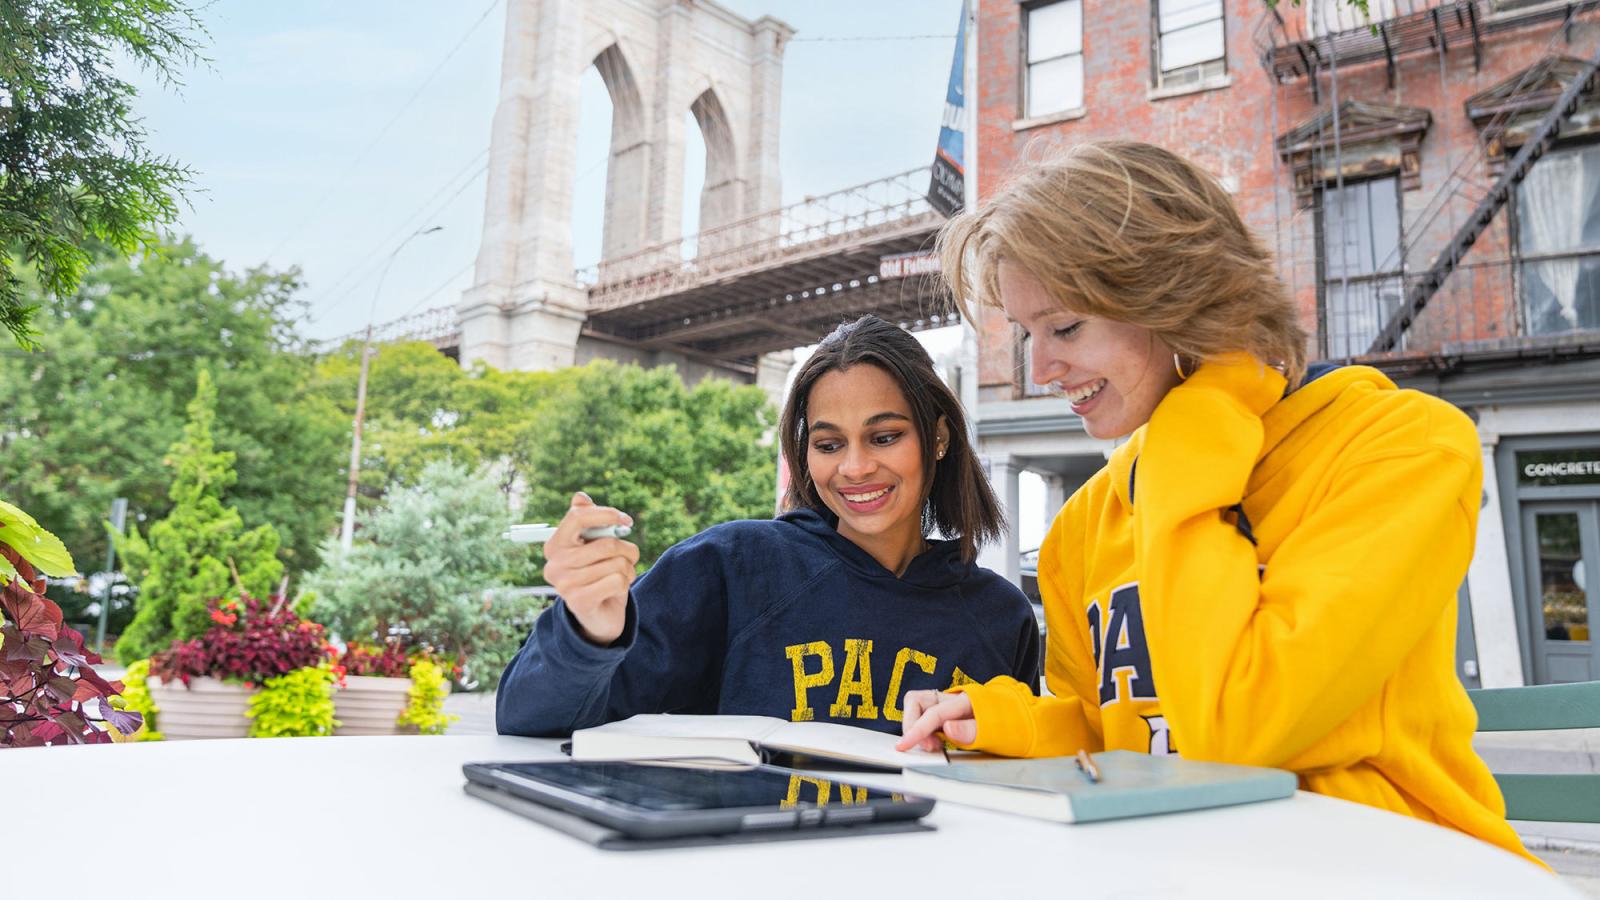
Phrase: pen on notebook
[1090,770]
[538,534]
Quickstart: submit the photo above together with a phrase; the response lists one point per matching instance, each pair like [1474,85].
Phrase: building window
[1558,242]
[1191,46]
[1053,35]
[1361,263]
[1517,4]
[1325,17]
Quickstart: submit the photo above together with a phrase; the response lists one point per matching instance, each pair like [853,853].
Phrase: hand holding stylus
[592,575]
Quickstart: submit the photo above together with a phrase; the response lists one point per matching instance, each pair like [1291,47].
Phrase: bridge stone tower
[658,58]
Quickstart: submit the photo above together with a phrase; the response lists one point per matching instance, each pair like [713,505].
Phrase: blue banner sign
[948,186]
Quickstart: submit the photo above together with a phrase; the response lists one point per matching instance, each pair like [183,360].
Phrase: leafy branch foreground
[73,163]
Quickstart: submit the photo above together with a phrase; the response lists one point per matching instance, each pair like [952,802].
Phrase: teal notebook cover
[1131,784]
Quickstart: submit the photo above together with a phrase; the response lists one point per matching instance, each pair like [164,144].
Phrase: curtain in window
[1555,198]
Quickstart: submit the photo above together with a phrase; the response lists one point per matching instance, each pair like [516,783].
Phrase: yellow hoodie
[1315,632]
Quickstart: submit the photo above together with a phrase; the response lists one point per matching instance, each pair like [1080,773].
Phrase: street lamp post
[347,529]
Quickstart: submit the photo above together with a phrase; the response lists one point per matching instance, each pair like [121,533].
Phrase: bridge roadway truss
[773,281]
[777,280]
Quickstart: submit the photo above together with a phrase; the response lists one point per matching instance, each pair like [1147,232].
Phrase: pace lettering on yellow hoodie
[1270,580]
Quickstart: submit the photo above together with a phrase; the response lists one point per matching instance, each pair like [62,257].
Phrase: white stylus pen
[538,534]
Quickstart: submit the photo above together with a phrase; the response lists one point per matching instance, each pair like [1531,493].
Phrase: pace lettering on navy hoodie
[781,617]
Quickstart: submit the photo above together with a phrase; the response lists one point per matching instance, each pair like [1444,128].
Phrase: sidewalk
[476,712]
[1573,849]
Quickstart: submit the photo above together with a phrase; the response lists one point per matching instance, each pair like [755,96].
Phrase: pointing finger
[924,727]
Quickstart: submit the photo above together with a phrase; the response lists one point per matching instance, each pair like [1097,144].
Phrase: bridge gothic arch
[720,199]
[658,58]
[628,168]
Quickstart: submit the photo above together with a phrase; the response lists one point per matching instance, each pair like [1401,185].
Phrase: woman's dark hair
[959,501]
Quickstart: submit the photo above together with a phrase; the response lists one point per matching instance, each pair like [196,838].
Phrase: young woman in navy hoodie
[830,612]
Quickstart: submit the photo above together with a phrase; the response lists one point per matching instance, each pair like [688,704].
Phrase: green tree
[89,417]
[422,407]
[73,165]
[676,460]
[200,551]
[425,568]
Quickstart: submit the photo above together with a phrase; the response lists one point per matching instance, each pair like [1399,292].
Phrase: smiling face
[865,458]
[1112,373]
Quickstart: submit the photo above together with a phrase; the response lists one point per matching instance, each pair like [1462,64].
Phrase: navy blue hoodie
[784,618]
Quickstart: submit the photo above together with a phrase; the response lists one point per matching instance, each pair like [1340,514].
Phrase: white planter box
[207,708]
[368,704]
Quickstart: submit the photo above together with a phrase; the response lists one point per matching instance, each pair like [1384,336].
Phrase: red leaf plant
[49,691]
[389,661]
[250,640]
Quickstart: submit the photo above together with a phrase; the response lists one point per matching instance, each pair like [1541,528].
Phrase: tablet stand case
[610,839]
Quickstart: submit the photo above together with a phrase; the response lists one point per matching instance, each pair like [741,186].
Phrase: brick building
[1430,183]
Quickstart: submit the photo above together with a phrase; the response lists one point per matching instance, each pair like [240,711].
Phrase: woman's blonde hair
[1127,231]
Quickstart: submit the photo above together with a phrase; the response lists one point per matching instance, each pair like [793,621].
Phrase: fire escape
[1529,112]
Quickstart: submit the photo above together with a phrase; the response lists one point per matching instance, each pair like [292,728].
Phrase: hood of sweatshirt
[1323,385]
[940,566]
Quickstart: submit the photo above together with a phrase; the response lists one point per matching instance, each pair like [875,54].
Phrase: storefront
[1554,535]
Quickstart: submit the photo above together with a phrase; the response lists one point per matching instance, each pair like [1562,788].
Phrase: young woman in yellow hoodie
[1266,570]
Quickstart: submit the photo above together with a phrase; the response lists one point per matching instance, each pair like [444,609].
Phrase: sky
[325,136]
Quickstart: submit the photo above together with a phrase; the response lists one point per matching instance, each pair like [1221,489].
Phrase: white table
[385,817]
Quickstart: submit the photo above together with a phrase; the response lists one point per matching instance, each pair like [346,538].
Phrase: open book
[1130,784]
[746,739]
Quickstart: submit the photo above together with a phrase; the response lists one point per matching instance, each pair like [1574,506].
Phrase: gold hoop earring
[1177,363]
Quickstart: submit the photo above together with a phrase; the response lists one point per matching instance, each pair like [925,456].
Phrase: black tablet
[652,802]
